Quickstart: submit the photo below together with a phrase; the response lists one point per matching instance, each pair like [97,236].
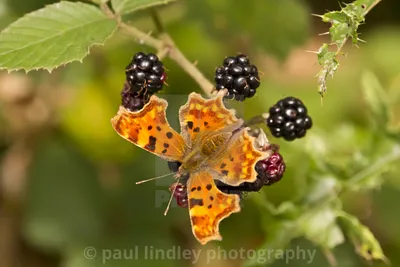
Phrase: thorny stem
[164,45]
[322,81]
[365,13]
[371,7]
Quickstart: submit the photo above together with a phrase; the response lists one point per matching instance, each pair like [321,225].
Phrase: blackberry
[228,189]
[145,73]
[180,194]
[132,100]
[288,118]
[144,76]
[243,187]
[270,170]
[239,76]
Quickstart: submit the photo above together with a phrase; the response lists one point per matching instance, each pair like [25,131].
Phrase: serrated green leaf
[52,36]
[339,32]
[366,243]
[334,16]
[129,6]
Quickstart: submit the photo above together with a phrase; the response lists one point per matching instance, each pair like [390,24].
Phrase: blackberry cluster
[145,76]
[239,76]
[288,118]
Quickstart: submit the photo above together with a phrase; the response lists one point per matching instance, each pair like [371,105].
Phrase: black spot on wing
[152,143]
[190,125]
[196,130]
[224,172]
[169,135]
[196,202]
[158,128]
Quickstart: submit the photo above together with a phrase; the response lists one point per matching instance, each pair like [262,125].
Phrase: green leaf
[129,6]
[375,97]
[53,36]
[371,177]
[329,65]
[365,242]
[323,188]
[320,227]
[100,1]
[333,16]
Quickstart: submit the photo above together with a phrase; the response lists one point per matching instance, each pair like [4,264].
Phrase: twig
[143,37]
[164,45]
[176,55]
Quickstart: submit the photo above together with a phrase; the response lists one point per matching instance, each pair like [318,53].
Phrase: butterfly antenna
[170,199]
[154,178]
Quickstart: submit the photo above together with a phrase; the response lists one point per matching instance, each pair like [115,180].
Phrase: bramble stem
[259,119]
[176,55]
[164,45]
[355,15]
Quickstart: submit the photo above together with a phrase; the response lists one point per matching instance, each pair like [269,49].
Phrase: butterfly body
[213,144]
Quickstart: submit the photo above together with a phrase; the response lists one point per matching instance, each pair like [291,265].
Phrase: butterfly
[213,144]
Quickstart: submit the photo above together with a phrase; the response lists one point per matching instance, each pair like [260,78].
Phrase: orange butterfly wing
[200,116]
[237,164]
[208,206]
[149,129]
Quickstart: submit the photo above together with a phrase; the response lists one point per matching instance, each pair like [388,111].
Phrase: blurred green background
[67,180]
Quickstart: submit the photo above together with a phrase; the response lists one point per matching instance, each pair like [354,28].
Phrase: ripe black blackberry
[145,73]
[288,118]
[270,170]
[144,76]
[239,76]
